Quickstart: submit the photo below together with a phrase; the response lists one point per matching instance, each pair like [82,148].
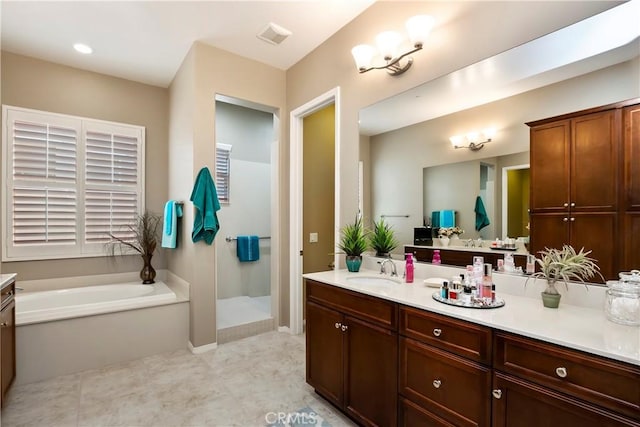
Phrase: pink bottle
[409,267]
[436,257]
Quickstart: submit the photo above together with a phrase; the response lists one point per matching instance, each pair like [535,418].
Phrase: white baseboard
[284,329]
[201,349]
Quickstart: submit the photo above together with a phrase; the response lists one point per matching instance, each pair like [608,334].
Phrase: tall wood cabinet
[631,189]
[578,179]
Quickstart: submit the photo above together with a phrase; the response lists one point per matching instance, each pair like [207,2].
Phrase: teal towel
[248,248]
[482,220]
[205,199]
[435,219]
[447,218]
[172,210]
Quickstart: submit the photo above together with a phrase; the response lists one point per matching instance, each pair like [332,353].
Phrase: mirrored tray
[499,302]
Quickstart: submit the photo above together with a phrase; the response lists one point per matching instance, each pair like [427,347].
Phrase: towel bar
[394,216]
[230,239]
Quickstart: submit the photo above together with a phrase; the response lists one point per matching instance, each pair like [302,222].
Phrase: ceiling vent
[274,33]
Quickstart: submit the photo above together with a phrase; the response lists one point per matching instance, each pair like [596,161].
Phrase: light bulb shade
[419,27]
[489,133]
[388,43]
[457,141]
[472,137]
[363,55]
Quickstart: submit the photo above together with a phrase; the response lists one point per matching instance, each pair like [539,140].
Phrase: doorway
[246,134]
[515,201]
[296,234]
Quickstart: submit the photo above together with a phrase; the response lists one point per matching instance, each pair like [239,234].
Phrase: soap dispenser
[409,268]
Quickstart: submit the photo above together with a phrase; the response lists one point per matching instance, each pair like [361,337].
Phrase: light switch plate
[313,237]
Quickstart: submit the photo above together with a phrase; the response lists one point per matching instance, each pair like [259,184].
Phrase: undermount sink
[372,280]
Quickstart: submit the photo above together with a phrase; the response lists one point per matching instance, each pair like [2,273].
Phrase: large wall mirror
[406,137]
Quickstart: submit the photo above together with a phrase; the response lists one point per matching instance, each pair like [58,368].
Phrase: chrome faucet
[394,272]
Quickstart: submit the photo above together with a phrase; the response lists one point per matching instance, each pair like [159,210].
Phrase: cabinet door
[596,232]
[549,160]
[412,415]
[595,161]
[8,353]
[548,231]
[631,231]
[631,120]
[371,373]
[324,351]
[518,403]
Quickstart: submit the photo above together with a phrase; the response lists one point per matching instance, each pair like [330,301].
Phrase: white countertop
[576,327]
[6,279]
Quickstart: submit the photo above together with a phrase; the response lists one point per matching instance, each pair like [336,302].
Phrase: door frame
[505,193]
[295,198]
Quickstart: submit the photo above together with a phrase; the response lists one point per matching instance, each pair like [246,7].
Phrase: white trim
[201,349]
[504,192]
[295,193]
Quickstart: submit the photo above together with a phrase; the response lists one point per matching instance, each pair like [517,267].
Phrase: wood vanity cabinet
[535,382]
[445,371]
[577,181]
[352,352]
[7,339]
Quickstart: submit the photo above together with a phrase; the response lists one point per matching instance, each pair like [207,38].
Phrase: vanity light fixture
[388,42]
[474,141]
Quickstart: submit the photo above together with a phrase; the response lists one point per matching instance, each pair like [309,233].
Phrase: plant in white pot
[563,265]
[353,243]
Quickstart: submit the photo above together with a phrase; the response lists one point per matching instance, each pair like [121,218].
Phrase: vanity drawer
[462,338]
[604,382]
[451,387]
[365,307]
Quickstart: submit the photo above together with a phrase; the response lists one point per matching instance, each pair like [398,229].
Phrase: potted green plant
[563,265]
[142,237]
[382,238]
[353,243]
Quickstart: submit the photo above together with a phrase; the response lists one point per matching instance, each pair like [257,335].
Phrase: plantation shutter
[41,194]
[69,182]
[223,171]
[112,191]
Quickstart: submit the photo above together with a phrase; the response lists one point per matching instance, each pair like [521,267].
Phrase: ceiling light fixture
[388,42]
[83,48]
[474,141]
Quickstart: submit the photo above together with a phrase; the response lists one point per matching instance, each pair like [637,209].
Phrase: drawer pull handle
[344,328]
[497,393]
[338,324]
[437,383]
[561,372]
[437,332]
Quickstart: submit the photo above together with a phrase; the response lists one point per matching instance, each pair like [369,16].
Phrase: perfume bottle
[436,257]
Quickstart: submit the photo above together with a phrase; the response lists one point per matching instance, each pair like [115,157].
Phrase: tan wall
[318,189]
[212,71]
[42,85]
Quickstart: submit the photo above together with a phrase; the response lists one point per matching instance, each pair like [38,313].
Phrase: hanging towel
[205,199]
[435,219]
[172,210]
[248,248]
[482,220]
[447,218]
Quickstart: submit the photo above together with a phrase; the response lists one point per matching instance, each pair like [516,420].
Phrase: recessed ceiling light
[83,48]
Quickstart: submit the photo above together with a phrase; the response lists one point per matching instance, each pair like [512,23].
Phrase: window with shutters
[69,182]
[223,171]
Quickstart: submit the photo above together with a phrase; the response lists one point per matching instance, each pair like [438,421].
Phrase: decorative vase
[444,241]
[353,263]
[550,299]
[147,274]
[454,237]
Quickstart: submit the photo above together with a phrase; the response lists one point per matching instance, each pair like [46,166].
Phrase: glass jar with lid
[622,303]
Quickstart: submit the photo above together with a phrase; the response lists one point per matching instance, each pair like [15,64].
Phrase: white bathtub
[35,307]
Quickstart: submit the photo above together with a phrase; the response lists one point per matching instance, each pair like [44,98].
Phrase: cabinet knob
[573,204]
[338,324]
[437,332]
[497,393]
[572,219]
[4,324]
[561,372]
[566,205]
[437,383]
[344,328]
[565,219]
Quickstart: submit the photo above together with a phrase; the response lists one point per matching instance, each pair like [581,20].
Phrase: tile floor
[236,384]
